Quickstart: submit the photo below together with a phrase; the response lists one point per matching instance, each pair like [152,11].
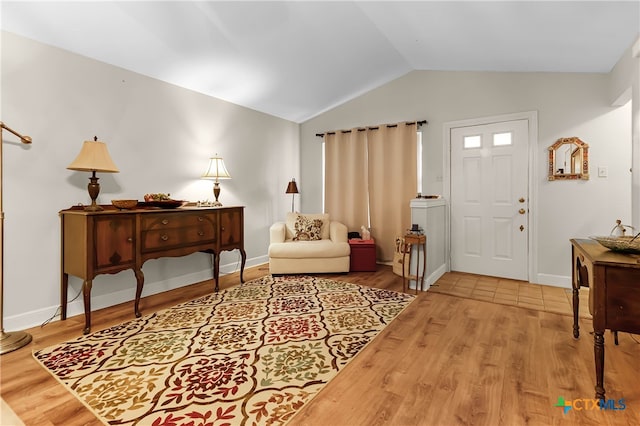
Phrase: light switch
[602,171]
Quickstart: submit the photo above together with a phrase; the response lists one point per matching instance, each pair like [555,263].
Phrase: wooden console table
[112,240]
[614,294]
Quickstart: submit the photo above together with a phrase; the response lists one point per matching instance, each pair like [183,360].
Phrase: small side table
[420,241]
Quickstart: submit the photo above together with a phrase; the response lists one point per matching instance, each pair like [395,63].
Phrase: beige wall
[160,137]
[625,86]
[567,105]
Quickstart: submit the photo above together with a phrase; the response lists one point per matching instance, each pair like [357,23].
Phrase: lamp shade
[93,156]
[292,188]
[216,169]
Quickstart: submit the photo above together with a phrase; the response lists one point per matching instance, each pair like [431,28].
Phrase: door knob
[521,200]
[522,211]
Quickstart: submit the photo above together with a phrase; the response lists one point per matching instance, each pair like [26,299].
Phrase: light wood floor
[512,292]
[446,360]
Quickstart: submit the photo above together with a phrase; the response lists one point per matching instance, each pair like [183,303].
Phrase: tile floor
[512,292]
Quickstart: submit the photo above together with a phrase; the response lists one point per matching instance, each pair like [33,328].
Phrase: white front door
[489,199]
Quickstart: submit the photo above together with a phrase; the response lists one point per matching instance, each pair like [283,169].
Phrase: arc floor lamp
[15,339]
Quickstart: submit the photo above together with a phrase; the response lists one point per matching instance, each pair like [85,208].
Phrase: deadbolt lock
[522,211]
[521,200]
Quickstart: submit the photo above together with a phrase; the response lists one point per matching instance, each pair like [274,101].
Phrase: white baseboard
[553,280]
[39,316]
[435,275]
[431,278]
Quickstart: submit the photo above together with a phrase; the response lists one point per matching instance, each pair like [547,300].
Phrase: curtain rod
[418,123]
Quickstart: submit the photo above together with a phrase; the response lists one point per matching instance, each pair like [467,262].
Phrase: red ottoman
[363,255]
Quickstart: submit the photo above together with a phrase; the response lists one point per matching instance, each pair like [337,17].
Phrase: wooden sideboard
[614,295]
[110,241]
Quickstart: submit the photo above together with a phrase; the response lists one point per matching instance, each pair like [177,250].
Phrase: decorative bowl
[620,244]
[125,204]
[166,204]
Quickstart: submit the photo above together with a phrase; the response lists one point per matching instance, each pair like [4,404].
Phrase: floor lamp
[292,189]
[15,339]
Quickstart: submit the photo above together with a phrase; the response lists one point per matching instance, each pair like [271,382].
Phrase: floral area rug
[253,354]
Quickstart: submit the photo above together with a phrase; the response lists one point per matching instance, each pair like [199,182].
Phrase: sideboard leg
[139,284]
[598,349]
[244,260]
[580,278]
[216,270]
[86,293]
[64,288]
[576,308]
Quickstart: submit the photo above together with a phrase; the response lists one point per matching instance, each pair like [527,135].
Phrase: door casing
[532,118]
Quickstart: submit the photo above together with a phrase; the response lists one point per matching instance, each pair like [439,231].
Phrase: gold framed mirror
[569,159]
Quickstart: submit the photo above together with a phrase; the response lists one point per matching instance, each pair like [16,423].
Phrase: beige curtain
[392,152]
[370,178]
[346,178]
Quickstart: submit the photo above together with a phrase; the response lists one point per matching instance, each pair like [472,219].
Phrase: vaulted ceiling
[296,59]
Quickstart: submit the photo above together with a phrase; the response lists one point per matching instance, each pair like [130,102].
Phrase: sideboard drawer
[163,239]
[177,220]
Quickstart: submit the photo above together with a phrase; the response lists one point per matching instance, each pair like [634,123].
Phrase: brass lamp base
[93,208]
[13,340]
[94,190]
[216,193]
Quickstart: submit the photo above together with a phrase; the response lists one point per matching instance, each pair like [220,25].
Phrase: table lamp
[94,157]
[216,171]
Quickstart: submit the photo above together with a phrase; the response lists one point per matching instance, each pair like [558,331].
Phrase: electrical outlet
[602,171]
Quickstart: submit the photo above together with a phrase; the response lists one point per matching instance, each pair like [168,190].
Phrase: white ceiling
[297,59]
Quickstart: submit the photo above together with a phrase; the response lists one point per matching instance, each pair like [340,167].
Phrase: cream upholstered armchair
[308,243]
